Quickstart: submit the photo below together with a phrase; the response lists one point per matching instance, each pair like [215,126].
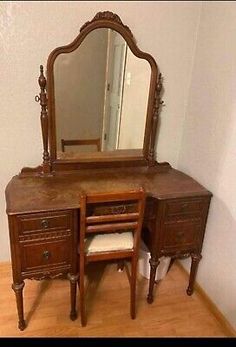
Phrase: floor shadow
[94,275]
[43,287]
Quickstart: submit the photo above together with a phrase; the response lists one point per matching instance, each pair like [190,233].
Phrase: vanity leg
[154,264]
[195,261]
[18,289]
[73,283]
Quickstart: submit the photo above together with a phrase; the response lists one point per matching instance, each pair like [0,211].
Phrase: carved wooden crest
[107,16]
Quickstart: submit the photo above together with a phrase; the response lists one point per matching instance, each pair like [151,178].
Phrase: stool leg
[133,287]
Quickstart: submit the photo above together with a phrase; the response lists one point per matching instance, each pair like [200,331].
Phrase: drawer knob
[45,223]
[46,255]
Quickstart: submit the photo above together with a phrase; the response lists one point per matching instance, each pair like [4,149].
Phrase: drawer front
[179,236]
[46,221]
[184,207]
[44,255]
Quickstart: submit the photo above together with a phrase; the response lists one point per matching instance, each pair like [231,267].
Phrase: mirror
[101,100]
[101,96]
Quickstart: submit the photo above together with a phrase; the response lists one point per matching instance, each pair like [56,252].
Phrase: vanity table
[99,86]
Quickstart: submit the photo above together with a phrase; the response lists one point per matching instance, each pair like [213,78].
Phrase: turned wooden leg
[134,262]
[195,261]
[18,288]
[153,264]
[73,283]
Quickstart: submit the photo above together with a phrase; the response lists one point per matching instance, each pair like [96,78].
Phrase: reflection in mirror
[101,96]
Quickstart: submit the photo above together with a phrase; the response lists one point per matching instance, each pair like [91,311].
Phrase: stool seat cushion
[109,242]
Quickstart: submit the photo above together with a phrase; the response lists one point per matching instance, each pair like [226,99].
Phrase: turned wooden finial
[42,80]
[42,98]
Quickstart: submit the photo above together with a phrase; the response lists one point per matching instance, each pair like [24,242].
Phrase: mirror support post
[156,110]
[42,98]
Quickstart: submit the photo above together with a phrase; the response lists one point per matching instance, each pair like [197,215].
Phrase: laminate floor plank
[47,305]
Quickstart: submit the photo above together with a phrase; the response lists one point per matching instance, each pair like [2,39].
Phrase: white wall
[29,31]
[208,150]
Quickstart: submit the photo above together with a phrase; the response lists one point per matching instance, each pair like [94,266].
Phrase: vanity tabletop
[62,190]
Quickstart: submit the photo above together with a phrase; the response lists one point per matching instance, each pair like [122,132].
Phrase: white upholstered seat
[109,242]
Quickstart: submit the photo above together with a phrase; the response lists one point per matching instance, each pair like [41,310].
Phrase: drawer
[182,235]
[44,221]
[184,207]
[43,255]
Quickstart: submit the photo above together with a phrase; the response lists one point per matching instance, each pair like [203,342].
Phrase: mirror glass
[101,96]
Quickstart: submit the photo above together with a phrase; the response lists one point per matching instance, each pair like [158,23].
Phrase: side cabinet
[175,228]
[43,245]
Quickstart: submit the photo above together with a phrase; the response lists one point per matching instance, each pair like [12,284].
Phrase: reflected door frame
[114,85]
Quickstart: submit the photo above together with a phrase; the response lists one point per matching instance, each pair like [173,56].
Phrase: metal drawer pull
[45,223]
[46,255]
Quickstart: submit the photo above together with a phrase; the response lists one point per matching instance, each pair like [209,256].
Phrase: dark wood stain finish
[43,203]
[44,211]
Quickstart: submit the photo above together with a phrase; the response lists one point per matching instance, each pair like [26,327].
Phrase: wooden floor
[173,313]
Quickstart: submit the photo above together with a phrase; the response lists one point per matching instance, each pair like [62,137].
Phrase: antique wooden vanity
[100,87]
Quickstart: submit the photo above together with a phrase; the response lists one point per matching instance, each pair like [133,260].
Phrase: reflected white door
[116,56]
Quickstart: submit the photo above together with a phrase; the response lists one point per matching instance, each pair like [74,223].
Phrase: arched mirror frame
[146,156]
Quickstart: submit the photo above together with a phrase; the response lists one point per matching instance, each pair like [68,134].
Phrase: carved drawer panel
[182,235]
[183,207]
[43,255]
[46,221]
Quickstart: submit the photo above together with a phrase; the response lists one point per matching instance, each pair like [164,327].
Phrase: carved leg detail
[73,283]
[195,261]
[154,264]
[18,288]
